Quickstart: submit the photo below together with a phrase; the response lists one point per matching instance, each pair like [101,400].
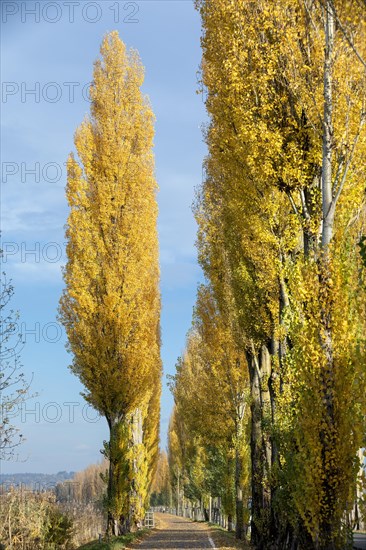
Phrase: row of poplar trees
[270,394]
[111,304]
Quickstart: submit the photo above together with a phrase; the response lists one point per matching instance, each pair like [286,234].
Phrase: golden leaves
[259,213]
[111,304]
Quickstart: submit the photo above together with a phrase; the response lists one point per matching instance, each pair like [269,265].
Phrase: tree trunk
[117,523]
[239,508]
[255,452]
[239,528]
[279,532]
[136,511]
[328,432]
[259,371]
[327,198]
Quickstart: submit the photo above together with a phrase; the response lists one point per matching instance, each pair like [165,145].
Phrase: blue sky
[49,47]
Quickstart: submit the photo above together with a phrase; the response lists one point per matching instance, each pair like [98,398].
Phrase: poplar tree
[210,391]
[283,195]
[111,304]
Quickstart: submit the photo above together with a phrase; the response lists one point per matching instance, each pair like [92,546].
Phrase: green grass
[115,543]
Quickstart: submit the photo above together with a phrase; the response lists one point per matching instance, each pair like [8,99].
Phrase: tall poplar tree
[284,196]
[111,304]
[210,391]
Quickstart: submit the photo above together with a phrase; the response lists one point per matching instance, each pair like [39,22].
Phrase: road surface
[359,541]
[175,532]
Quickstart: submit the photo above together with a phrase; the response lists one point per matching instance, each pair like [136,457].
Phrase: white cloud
[33,273]
[33,209]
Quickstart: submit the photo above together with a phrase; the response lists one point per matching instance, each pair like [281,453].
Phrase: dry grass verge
[224,539]
[117,543]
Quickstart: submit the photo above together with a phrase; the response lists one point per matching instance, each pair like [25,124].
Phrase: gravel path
[176,532]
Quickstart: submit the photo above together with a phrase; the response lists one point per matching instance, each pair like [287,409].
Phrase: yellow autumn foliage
[111,305]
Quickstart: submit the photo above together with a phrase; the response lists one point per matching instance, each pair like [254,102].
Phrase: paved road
[359,541]
[175,532]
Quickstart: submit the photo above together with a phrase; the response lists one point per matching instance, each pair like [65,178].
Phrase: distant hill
[36,482]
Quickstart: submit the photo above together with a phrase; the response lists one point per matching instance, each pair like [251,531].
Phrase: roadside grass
[116,543]
[226,539]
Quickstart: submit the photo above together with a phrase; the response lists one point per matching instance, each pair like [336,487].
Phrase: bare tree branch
[349,160]
[14,389]
[345,34]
